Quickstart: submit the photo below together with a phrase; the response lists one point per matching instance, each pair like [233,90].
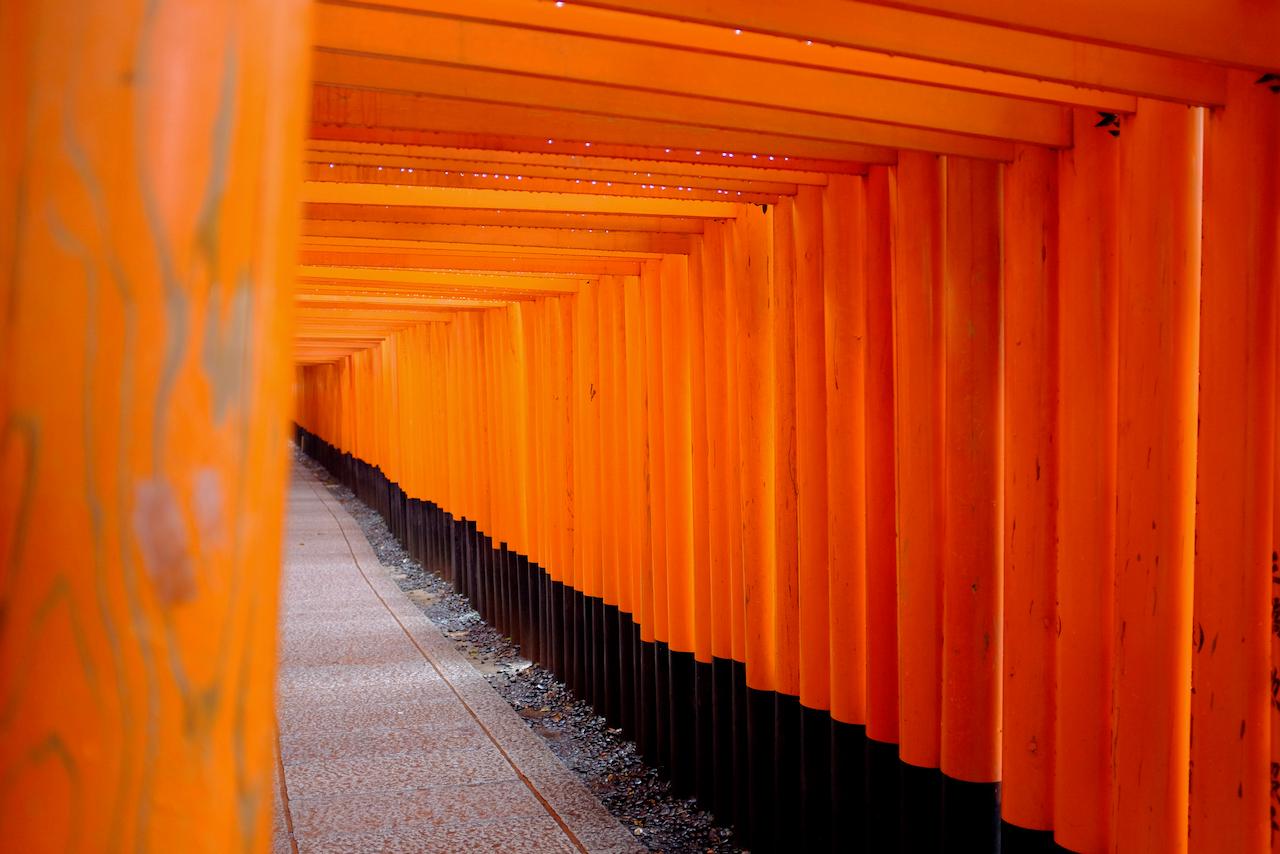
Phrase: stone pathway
[389,739]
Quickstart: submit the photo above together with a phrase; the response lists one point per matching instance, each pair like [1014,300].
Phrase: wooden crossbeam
[640,69]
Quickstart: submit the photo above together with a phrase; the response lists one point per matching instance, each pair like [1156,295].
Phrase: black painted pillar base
[662,702]
[704,734]
[970,815]
[883,782]
[682,701]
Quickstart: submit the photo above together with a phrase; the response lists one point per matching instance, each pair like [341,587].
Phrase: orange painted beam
[383,301]
[592,240]
[734,112]
[380,116]
[634,179]
[511,179]
[427,249]
[409,279]
[550,155]
[503,218]
[791,167]
[303,314]
[1227,32]
[425,259]
[903,32]
[450,197]
[457,44]
[734,41]
[363,292]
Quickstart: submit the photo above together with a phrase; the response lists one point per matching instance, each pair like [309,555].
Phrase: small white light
[668,151]
[753,157]
[808,42]
[330,165]
[593,183]
[699,152]
[770,156]
[588,145]
[410,171]
[379,168]
[550,141]
[559,4]
[737,32]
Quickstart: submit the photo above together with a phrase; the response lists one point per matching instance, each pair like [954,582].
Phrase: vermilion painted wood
[1231,646]
[916,202]
[1028,748]
[1159,246]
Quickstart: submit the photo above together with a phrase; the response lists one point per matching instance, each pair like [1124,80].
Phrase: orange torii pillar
[916,199]
[1231,705]
[881,570]
[703,643]
[785,741]
[148,178]
[841,589]
[812,778]
[753,286]
[1159,248]
[1088,182]
[1031,486]
[656,658]
[639,540]
[724,531]
[974,537]
[681,562]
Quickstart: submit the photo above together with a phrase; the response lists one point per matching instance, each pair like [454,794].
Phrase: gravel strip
[605,761]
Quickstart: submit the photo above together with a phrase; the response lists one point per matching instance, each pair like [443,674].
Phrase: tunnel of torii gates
[868,407]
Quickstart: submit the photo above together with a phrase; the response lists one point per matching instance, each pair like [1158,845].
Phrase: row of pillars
[977,456]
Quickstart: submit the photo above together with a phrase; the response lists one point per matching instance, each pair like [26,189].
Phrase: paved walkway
[389,739]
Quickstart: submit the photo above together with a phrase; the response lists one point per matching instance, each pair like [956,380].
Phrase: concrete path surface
[389,739]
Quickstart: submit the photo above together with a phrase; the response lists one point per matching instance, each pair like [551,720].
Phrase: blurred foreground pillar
[148,175]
